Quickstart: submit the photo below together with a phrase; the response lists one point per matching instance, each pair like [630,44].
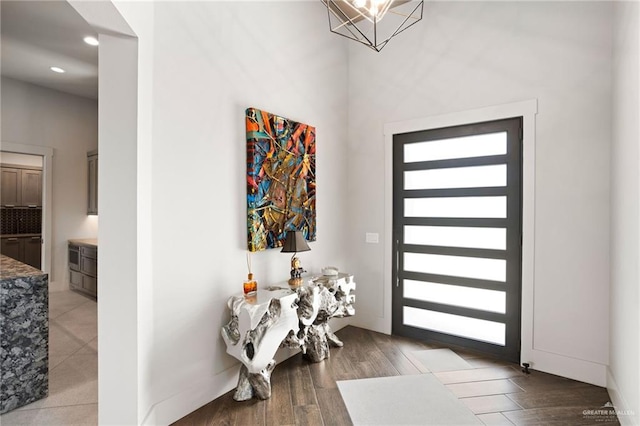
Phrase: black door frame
[513,223]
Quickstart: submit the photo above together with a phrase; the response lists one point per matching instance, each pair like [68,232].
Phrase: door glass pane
[477,329]
[467,297]
[456,266]
[453,236]
[464,147]
[457,177]
[477,207]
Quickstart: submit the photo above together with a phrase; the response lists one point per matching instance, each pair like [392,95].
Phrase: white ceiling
[36,35]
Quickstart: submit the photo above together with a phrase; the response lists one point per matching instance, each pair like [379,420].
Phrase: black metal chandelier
[372,22]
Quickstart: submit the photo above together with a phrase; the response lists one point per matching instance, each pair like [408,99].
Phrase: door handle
[397,263]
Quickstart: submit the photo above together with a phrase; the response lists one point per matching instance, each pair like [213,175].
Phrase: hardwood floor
[497,392]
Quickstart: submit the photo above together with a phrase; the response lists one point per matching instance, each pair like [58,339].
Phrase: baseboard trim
[177,406]
[571,368]
[189,400]
[626,415]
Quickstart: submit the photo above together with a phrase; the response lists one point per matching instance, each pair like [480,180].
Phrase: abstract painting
[281,179]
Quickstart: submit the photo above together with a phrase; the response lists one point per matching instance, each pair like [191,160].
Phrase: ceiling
[36,35]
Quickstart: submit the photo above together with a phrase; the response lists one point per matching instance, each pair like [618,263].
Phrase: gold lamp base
[295,282]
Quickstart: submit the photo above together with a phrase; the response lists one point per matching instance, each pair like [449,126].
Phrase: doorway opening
[457,234]
[21,207]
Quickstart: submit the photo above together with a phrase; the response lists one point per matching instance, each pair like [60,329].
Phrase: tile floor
[73,366]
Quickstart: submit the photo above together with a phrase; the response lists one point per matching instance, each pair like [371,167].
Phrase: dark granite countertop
[89,242]
[24,334]
[11,268]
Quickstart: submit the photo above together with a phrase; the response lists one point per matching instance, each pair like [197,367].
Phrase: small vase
[250,286]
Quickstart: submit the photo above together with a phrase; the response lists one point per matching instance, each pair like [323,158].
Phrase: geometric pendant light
[372,22]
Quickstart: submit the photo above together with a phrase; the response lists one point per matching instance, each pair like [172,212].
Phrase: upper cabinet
[32,188]
[92,159]
[21,187]
[10,187]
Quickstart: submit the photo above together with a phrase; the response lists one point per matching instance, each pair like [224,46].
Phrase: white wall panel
[624,373]
[470,55]
[210,61]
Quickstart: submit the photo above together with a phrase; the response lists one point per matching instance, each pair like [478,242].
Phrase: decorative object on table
[295,243]
[250,286]
[372,22]
[280,317]
[330,271]
[281,179]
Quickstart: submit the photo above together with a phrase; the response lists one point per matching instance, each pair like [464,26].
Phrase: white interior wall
[468,55]
[212,60]
[624,374]
[68,124]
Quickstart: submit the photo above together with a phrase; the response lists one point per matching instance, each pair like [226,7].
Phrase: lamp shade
[295,242]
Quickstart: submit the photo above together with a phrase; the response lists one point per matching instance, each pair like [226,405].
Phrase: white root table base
[296,319]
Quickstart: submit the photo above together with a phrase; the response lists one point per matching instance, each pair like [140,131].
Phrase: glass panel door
[457,227]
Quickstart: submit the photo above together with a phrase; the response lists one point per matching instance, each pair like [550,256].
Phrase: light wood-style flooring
[497,392]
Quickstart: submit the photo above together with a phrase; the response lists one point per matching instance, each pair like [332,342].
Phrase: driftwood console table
[277,317]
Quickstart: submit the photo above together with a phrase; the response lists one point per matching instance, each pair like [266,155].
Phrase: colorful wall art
[281,179]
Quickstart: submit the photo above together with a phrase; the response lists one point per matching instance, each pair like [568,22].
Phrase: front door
[457,236]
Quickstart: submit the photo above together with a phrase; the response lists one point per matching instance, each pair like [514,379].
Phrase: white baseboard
[188,400]
[177,406]
[571,368]
[626,414]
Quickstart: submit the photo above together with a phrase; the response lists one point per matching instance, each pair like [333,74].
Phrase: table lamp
[294,243]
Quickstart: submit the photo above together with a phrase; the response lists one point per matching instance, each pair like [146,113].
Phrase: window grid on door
[447,181]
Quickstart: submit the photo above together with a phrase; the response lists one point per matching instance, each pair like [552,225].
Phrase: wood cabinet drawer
[75,279]
[91,252]
[89,266]
[90,285]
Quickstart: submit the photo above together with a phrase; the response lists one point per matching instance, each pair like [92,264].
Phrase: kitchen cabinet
[92,167]
[27,249]
[21,187]
[12,247]
[31,188]
[10,187]
[83,267]
[33,251]
[21,213]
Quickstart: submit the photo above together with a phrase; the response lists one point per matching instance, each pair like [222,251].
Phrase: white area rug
[404,400]
[437,360]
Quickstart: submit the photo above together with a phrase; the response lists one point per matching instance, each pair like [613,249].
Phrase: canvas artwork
[281,179]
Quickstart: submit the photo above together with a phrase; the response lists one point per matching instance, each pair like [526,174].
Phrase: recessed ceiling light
[57,69]
[92,41]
